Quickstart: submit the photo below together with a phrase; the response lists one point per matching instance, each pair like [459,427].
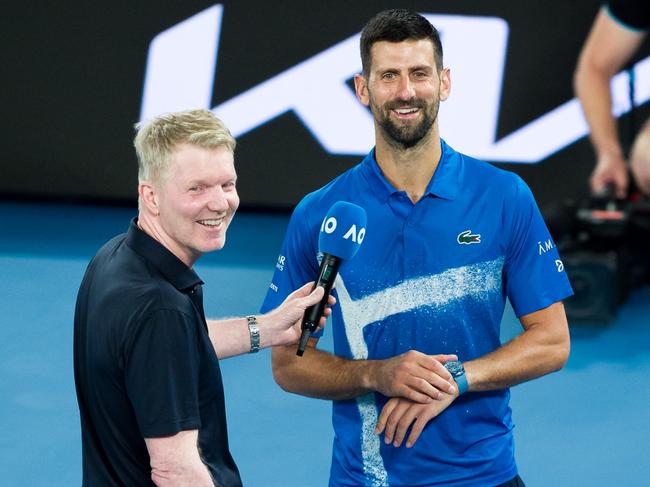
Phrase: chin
[216,245]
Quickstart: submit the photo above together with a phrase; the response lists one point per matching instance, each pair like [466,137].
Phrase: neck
[151,226]
[409,169]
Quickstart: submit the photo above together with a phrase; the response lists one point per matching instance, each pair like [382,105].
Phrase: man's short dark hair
[398,25]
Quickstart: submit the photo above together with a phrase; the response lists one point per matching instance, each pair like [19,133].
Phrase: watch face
[455,368]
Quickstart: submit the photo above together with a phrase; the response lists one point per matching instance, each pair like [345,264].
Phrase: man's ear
[148,197]
[445,84]
[361,88]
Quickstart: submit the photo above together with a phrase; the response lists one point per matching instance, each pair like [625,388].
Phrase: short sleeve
[162,373]
[533,272]
[631,14]
[297,262]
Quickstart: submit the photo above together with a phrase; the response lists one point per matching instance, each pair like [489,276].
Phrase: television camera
[604,243]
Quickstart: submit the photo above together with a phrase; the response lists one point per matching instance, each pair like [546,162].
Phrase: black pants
[516,482]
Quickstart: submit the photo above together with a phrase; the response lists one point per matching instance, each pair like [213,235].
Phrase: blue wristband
[461,382]
[457,371]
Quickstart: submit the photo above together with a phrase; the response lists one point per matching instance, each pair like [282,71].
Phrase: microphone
[341,234]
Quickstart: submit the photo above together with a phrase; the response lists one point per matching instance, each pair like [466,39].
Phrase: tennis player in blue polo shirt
[419,378]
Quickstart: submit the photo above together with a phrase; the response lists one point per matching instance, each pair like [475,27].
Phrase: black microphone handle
[329,268]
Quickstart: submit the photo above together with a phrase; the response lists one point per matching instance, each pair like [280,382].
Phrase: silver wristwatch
[254,331]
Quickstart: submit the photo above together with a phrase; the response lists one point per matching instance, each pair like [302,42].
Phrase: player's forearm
[320,374]
[526,357]
[541,349]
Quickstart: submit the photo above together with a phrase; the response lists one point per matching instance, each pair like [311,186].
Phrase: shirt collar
[170,266]
[445,182]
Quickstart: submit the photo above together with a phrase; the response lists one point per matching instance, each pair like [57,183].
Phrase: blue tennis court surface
[587,425]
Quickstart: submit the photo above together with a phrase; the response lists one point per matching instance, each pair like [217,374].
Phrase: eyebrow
[420,67]
[204,182]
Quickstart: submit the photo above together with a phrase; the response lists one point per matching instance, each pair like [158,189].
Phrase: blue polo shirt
[433,277]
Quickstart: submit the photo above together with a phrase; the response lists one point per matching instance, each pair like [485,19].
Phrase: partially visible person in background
[617,32]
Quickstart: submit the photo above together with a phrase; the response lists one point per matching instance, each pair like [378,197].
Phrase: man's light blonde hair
[156,139]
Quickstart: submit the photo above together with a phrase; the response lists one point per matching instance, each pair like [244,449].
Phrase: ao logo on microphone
[329,226]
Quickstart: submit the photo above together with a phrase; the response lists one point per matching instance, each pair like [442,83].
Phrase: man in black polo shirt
[146,361]
[617,33]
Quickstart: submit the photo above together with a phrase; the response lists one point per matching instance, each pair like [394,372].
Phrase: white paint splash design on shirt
[437,291]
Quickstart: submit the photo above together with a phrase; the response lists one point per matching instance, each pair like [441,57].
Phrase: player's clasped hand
[398,414]
[414,375]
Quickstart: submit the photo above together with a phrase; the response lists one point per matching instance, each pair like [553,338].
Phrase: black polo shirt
[635,14]
[144,364]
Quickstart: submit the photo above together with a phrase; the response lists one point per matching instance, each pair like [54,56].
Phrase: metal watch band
[254,331]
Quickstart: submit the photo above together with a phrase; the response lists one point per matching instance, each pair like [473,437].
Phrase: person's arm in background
[280,326]
[640,159]
[607,48]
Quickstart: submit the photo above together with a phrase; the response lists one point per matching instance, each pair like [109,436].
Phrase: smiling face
[403,89]
[196,201]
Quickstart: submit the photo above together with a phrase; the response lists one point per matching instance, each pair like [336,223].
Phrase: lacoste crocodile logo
[467,237]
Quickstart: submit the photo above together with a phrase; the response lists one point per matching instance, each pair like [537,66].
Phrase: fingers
[421,390]
[619,181]
[596,186]
[304,290]
[419,397]
[621,187]
[442,382]
[404,423]
[435,375]
[331,301]
[399,419]
[423,415]
[430,363]
[315,296]
[385,413]
[420,422]
[415,376]
[610,172]
[323,318]
[312,295]
[308,297]
[445,357]
[398,415]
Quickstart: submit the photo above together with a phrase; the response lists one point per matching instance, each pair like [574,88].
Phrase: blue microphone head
[343,230]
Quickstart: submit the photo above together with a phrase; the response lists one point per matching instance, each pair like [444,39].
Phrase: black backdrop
[73,76]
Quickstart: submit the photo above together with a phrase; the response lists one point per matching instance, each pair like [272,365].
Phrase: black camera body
[604,243]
